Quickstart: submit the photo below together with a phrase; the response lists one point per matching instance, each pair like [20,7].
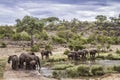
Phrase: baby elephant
[15,61]
[33,64]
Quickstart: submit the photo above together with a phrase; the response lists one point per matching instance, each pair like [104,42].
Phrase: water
[105,63]
[47,72]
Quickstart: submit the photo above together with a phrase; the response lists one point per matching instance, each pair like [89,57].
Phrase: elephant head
[15,61]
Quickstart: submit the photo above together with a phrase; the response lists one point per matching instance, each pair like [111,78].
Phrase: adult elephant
[45,53]
[27,60]
[15,61]
[93,53]
[83,53]
[73,55]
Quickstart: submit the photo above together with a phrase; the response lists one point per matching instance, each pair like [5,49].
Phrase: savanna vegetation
[34,33]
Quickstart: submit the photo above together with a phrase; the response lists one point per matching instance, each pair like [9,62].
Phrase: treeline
[72,33]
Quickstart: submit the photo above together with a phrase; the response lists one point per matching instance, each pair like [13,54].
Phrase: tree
[101,18]
[29,24]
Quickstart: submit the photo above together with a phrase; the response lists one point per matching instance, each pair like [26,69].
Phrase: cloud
[82,10]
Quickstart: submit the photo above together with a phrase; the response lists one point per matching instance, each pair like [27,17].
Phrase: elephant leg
[42,57]
[47,57]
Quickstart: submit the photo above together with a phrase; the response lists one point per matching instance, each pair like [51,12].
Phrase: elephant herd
[27,61]
[76,55]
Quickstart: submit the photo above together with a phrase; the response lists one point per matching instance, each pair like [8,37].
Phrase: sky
[10,10]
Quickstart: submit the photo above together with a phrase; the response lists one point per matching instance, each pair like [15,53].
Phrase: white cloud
[86,11]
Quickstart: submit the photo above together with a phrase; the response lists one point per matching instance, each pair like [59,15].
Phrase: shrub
[72,72]
[109,56]
[3,45]
[16,36]
[83,70]
[62,66]
[59,40]
[116,68]
[66,52]
[35,48]
[58,74]
[97,70]
[55,74]
[48,47]
[100,57]
[56,59]
[24,36]
[118,51]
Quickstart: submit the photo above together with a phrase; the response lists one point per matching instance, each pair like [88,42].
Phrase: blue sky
[10,10]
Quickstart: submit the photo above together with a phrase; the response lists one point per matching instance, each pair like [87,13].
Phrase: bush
[16,36]
[58,74]
[3,45]
[117,68]
[62,66]
[118,51]
[72,72]
[66,52]
[56,59]
[59,40]
[48,47]
[83,70]
[109,56]
[35,48]
[97,70]
[42,35]
[24,36]
[100,57]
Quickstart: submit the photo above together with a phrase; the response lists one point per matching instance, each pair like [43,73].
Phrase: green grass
[62,66]
[2,67]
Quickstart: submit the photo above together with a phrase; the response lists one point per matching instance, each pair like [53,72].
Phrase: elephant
[93,53]
[73,55]
[33,64]
[15,61]
[29,60]
[45,53]
[83,53]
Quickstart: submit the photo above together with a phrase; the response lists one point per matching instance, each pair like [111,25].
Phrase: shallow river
[48,72]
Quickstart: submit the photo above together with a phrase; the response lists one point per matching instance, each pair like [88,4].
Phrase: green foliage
[60,28]
[6,31]
[117,68]
[58,74]
[58,40]
[62,66]
[118,51]
[56,59]
[55,74]
[109,56]
[35,48]
[83,70]
[3,45]
[66,34]
[42,35]
[97,70]
[16,36]
[48,47]
[66,52]
[21,36]
[2,67]
[24,36]
[76,45]
[72,72]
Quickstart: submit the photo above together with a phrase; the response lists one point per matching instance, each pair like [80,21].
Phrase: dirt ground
[9,74]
